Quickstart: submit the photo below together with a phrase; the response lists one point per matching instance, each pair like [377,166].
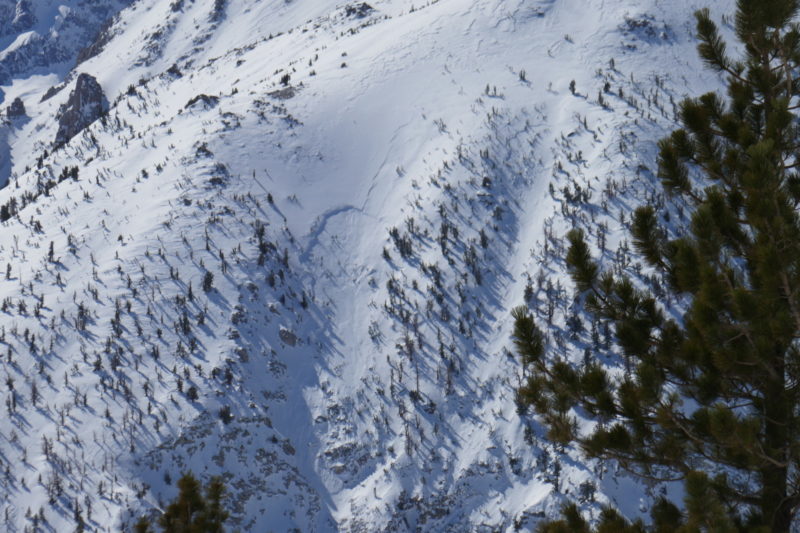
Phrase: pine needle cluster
[192,511]
[712,397]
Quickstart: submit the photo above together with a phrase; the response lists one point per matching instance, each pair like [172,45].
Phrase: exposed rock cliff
[16,109]
[86,104]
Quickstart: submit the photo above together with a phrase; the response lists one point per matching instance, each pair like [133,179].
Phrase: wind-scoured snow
[288,252]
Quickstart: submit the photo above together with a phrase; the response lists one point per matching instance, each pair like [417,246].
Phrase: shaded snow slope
[288,252]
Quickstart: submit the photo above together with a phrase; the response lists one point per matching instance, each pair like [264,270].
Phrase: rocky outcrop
[288,336]
[34,43]
[358,11]
[203,99]
[6,16]
[86,104]
[16,109]
[24,18]
[100,41]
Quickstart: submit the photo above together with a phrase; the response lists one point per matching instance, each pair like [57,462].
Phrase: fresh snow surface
[371,188]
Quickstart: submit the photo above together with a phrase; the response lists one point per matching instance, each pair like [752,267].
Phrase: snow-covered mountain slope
[45,36]
[288,251]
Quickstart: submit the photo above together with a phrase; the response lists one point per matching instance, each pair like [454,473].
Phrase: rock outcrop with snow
[16,109]
[49,34]
[86,103]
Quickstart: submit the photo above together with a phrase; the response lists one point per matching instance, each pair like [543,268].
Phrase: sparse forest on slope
[280,242]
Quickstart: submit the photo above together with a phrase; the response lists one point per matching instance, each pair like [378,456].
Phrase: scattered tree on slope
[711,399]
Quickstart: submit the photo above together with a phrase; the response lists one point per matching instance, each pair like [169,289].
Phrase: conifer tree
[182,514]
[214,514]
[191,512]
[208,281]
[710,399]
[142,526]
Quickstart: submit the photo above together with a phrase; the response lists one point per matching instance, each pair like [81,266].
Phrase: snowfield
[288,252]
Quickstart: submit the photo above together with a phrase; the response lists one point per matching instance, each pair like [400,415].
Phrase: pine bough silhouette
[712,399]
